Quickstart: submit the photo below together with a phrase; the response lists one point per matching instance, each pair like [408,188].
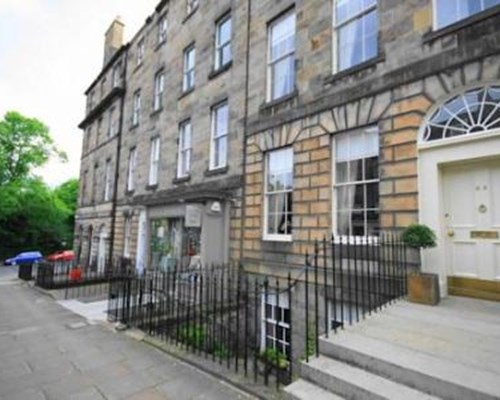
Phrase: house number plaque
[484,235]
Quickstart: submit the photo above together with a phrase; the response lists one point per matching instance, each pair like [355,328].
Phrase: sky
[50,52]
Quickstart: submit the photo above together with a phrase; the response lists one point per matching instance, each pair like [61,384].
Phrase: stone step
[443,378]
[304,390]
[356,383]
[440,337]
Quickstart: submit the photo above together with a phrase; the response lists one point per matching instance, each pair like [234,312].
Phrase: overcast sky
[50,52]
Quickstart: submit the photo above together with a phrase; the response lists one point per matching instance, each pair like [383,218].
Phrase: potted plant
[422,287]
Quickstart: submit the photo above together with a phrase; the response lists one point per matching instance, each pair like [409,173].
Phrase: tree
[32,216]
[25,143]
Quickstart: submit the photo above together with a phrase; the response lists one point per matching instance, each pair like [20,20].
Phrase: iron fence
[260,325]
[78,281]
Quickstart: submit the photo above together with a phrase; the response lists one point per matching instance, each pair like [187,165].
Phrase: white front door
[472,219]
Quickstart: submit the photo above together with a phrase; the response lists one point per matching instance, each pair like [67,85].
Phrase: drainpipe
[245,128]
[117,164]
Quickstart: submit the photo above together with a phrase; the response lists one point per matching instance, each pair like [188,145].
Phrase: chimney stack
[113,39]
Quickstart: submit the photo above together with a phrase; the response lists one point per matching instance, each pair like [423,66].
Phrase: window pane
[350,43]
[221,120]
[358,223]
[225,32]
[371,168]
[359,197]
[283,77]
[343,223]
[341,172]
[370,35]
[372,195]
[225,54]
[271,224]
[372,222]
[283,37]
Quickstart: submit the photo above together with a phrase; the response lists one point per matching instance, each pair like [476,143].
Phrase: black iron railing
[260,325]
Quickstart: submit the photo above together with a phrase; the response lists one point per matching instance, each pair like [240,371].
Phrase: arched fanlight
[475,111]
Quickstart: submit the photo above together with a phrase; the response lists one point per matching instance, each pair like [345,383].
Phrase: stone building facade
[173,202]
[374,131]
[343,117]
[99,163]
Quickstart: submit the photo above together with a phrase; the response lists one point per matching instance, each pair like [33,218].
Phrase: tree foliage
[32,215]
[25,143]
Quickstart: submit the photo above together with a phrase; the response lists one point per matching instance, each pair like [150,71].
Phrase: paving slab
[48,352]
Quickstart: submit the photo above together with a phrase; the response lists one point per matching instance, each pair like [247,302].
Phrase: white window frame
[188,76]
[435,14]
[140,51]
[127,235]
[276,236]
[335,29]
[162,29]
[159,91]
[132,159]
[281,302]
[111,122]
[351,238]
[116,75]
[95,183]
[185,149]
[219,135]
[219,47]
[271,63]
[136,112]
[154,163]
[84,188]
[191,5]
[107,181]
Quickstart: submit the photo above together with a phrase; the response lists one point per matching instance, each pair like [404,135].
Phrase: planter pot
[423,288]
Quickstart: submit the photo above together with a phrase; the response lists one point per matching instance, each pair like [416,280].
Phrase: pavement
[49,352]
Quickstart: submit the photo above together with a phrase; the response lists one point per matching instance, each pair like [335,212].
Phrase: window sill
[186,93]
[137,67]
[216,72]
[156,112]
[190,14]
[278,238]
[129,192]
[276,102]
[372,62]
[216,171]
[152,187]
[182,179]
[429,37]
[160,45]
[134,126]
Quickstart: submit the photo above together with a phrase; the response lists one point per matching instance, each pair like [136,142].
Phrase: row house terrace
[100,149]
[179,177]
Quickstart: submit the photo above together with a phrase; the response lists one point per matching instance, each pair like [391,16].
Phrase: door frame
[432,157]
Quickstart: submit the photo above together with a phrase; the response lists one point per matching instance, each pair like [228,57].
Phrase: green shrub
[419,236]
[221,351]
[275,357]
[193,336]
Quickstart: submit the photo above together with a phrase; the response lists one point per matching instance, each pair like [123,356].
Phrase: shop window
[172,244]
